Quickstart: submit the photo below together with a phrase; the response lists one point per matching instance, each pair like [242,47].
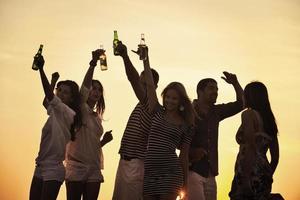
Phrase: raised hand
[55,77]
[107,137]
[39,61]
[230,78]
[142,52]
[95,56]
[122,49]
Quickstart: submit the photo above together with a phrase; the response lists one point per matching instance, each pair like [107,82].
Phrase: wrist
[124,56]
[93,63]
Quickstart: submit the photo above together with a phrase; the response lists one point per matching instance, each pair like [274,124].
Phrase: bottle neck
[116,36]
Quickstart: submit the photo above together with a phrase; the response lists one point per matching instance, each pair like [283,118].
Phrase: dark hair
[188,112]
[203,83]
[100,104]
[155,76]
[256,97]
[74,105]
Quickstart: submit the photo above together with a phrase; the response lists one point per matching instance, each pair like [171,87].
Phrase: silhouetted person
[256,135]
[204,147]
[64,118]
[84,155]
[130,172]
[165,172]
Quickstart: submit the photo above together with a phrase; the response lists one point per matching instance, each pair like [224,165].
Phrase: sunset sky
[188,40]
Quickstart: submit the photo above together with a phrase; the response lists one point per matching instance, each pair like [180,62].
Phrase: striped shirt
[135,137]
[163,171]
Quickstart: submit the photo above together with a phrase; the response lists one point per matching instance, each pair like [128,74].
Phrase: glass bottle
[102,59]
[115,43]
[142,48]
[34,66]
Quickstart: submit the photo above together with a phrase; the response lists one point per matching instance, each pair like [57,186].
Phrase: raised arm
[87,81]
[54,79]
[131,73]
[46,86]
[232,79]
[150,87]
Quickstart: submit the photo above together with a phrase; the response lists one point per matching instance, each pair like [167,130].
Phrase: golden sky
[188,40]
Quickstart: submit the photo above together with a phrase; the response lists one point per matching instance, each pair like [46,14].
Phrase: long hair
[256,97]
[185,109]
[74,105]
[100,104]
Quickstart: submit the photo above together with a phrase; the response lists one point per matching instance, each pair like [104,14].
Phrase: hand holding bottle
[142,48]
[95,56]
[39,61]
[122,49]
[35,58]
[142,52]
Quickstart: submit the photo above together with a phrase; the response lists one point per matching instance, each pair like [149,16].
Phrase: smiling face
[96,92]
[171,100]
[64,93]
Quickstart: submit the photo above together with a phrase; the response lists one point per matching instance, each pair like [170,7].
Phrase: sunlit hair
[100,104]
[155,76]
[74,105]
[256,97]
[188,112]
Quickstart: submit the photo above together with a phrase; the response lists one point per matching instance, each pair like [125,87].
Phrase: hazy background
[188,40]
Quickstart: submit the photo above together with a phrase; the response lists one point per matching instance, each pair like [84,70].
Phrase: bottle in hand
[115,43]
[39,53]
[142,48]
[102,59]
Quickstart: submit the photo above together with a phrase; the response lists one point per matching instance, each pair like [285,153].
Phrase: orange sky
[188,40]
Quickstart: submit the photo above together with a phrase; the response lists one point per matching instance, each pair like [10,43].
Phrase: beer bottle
[142,48]
[34,66]
[102,58]
[115,43]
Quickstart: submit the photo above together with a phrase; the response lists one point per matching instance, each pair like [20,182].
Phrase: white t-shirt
[55,135]
[84,155]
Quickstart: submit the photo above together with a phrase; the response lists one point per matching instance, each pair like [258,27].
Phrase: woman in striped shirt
[165,172]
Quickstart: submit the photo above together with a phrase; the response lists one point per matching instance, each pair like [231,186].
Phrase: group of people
[149,167]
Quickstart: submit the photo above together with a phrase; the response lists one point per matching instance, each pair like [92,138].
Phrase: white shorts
[129,180]
[76,171]
[201,188]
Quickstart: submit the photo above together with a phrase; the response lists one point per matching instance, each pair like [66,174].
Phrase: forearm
[87,81]
[273,165]
[46,86]
[184,164]
[131,72]
[274,151]
[238,91]
[148,74]
[52,85]
[151,88]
